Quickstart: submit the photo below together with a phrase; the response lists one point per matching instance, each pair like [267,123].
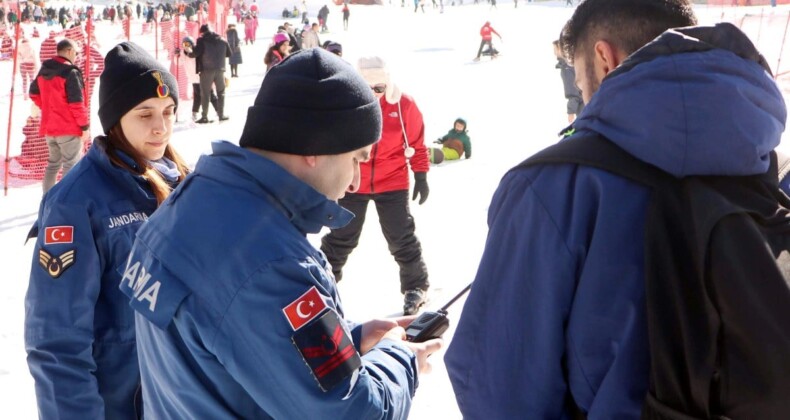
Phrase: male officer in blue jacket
[556,319]
[238,315]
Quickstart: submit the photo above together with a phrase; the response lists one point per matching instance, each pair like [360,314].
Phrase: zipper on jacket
[373,167]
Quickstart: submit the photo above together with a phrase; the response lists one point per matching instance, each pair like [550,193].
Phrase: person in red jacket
[384,179]
[57,91]
[485,33]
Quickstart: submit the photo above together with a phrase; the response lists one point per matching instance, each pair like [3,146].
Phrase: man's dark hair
[626,24]
[64,45]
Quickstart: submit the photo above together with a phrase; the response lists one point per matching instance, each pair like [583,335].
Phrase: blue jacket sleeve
[262,356]
[510,337]
[59,314]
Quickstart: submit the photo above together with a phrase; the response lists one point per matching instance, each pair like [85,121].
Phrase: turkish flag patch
[58,235]
[304,309]
[328,351]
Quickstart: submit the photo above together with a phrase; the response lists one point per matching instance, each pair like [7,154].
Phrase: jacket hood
[695,101]
[57,66]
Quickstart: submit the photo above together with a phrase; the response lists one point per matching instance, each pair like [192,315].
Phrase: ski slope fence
[25,153]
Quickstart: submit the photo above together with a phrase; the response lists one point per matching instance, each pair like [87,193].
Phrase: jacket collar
[305,207]
[98,155]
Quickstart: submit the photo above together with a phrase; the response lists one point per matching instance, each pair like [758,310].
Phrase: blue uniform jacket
[211,275]
[557,306]
[79,329]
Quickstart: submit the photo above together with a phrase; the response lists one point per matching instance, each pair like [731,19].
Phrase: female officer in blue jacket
[79,329]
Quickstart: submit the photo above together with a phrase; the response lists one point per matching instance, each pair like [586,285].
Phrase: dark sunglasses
[379,88]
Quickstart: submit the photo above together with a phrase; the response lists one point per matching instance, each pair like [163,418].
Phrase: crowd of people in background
[68,17]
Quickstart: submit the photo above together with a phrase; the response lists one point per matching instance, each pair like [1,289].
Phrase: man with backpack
[609,293]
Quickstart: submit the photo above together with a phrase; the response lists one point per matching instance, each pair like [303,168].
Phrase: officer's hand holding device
[432,324]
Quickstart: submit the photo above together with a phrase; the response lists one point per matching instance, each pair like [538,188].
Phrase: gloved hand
[420,187]
[437,141]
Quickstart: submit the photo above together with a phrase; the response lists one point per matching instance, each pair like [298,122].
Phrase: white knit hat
[374,70]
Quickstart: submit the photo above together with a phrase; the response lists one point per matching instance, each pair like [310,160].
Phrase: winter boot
[195,116]
[413,299]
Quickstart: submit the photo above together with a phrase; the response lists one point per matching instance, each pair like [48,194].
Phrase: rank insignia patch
[327,349]
[55,265]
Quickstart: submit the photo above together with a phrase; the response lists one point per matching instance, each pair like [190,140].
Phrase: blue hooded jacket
[79,330]
[557,308]
[211,276]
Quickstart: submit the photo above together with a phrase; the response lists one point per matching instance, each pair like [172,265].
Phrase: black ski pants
[196,98]
[207,79]
[484,42]
[397,225]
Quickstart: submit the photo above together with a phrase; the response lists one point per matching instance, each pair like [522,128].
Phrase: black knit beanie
[312,103]
[131,76]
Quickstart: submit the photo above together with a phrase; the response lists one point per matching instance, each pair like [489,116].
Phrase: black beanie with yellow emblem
[131,76]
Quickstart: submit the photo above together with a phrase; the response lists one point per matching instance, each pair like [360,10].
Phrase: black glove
[420,187]
[438,141]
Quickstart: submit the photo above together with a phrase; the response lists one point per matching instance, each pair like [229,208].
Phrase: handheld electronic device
[432,324]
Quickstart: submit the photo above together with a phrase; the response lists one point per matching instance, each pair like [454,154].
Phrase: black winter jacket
[210,52]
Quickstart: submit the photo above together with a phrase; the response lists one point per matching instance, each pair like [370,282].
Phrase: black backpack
[717,264]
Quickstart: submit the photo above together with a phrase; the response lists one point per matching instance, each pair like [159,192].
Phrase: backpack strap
[599,152]
[697,227]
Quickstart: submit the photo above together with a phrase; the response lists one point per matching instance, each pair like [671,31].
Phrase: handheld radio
[432,324]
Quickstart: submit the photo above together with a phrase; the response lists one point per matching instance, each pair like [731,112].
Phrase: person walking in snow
[323,16]
[250,26]
[58,91]
[385,182]
[210,53]
[235,49]
[190,64]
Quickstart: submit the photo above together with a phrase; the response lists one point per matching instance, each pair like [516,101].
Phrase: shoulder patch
[56,265]
[327,350]
[58,235]
[304,308]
